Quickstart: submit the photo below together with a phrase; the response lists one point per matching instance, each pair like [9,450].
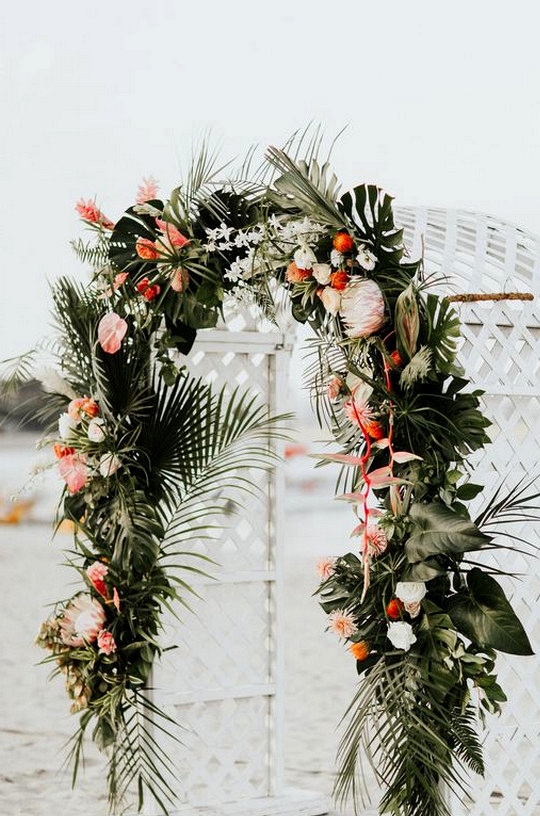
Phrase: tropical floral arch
[147,452]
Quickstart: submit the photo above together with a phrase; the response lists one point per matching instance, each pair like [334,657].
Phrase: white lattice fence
[501,353]
[224,681]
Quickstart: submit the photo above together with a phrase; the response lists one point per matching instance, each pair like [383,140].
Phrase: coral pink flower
[116,599]
[120,279]
[74,472]
[377,541]
[147,190]
[296,275]
[82,621]
[147,290]
[62,450]
[106,642]
[325,568]
[83,405]
[89,211]
[111,331]
[96,573]
[342,623]
[146,249]
[174,236]
[179,279]
[334,387]
[362,307]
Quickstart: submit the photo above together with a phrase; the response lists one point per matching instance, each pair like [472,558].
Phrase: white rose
[304,257]
[95,431]
[336,258]
[321,273]
[66,426]
[401,635]
[109,464]
[331,299]
[366,259]
[410,592]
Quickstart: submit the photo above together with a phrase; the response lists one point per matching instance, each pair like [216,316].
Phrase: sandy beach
[34,719]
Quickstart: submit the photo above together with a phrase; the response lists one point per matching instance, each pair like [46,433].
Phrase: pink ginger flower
[96,573]
[342,623]
[147,190]
[106,643]
[362,307]
[89,211]
[73,470]
[325,568]
[82,620]
[111,331]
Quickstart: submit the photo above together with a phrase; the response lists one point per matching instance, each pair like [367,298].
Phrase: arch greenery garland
[147,452]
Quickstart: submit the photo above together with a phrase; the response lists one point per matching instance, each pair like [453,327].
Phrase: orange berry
[343,242]
[359,650]
[374,429]
[339,280]
[394,609]
[396,357]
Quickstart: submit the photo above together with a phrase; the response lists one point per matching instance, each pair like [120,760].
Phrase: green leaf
[438,529]
[483,614]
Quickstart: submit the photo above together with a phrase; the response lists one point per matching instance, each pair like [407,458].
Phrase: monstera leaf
[370,209]
[438,529]
[483,614]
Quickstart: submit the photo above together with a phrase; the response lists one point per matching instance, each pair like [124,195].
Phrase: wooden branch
[472,297]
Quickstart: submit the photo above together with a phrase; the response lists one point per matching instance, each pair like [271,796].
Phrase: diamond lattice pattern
[501,354]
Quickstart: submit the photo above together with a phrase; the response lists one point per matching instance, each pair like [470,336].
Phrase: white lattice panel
[501,354]
[223,682]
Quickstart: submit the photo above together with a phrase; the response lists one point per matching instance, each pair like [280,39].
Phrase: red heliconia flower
[343,242]
[89,211]
[96,573]
[146,249]
[394,609]
[147,290]
[339,280]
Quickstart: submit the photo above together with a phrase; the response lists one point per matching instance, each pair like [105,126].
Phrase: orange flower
[295,275]
[146,249]
[359,650]
[147,290]
[394,609]
[339,280]
[374,429]
[61,450]
[343,242]
[396,358]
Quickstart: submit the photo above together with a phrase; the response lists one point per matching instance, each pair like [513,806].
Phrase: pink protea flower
[362,307]
[111,331]
[325,568]
[89,211]
[96,573]
[73,470]
[147,190]
[82,620]
[376,539]
[106,643]
[342,623]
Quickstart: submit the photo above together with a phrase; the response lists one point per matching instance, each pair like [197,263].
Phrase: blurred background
[440,105]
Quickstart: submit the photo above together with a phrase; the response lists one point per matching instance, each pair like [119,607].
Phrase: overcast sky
[441,102]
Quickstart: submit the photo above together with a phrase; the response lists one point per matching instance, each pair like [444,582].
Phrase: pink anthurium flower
[111,331]
[74,472]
